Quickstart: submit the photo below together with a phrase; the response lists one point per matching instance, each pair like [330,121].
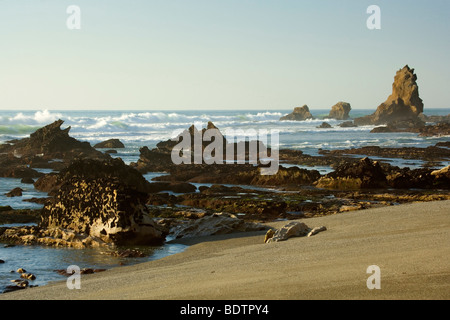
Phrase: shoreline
[409,243]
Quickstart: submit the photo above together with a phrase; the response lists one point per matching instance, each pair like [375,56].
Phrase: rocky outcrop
[159,159]
[96,203]
[408,125]
[110,144]
[347,124]
[94,169]
[19,157]
[105,209]
[53,142]
[12,167]
[434,118]
[403,104]
[437,130]
[355,175]
[431,153]
[340,111]
[299,114]
[243,174]
[216,224]
[16,192]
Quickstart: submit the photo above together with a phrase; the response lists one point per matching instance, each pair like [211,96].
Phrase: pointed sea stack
[404,104]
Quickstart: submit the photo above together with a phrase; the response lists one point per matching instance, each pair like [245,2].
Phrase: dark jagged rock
[16,192]
[325,125]
[218,223]
[347,124]
[299,114]
[403,104]
[52,141]
[110,144]
[422,178]
[340,111]
[435,119]
[159,159]
[94,169]
[19,157]
[9,215]
[431,153]
[440,129]
[360,175]
[409,125]
[241,174]
[27,180]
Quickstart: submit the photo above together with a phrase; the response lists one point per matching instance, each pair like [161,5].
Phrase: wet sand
[410,243]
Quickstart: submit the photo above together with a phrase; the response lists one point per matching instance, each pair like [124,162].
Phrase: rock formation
[340,111]
[299,114]
[347,124]
[96,203]
[16,192]
[52,141]
[403,104]
[324,125]
[19,157]
[357,175]
[218,223]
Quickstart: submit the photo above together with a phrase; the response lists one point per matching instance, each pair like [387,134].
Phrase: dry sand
[410,243]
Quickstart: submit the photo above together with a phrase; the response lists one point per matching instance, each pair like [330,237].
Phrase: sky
[219,54]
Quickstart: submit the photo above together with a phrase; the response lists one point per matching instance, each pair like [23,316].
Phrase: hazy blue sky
[219,54]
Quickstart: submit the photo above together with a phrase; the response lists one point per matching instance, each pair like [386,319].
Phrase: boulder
[292,229]
[110,144]
[340,111]
[299,114]
[403,104]
[104,200]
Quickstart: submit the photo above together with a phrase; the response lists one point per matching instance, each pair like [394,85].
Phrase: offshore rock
[299,114]
[53,142]
[340,111]
[324,125]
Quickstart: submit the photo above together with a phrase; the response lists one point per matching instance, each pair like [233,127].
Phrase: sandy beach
[409,243]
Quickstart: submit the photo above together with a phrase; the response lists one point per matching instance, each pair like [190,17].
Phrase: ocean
[146,128]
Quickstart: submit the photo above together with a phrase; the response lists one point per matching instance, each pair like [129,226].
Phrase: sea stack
[340,111]
[404,104]
[299,114]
